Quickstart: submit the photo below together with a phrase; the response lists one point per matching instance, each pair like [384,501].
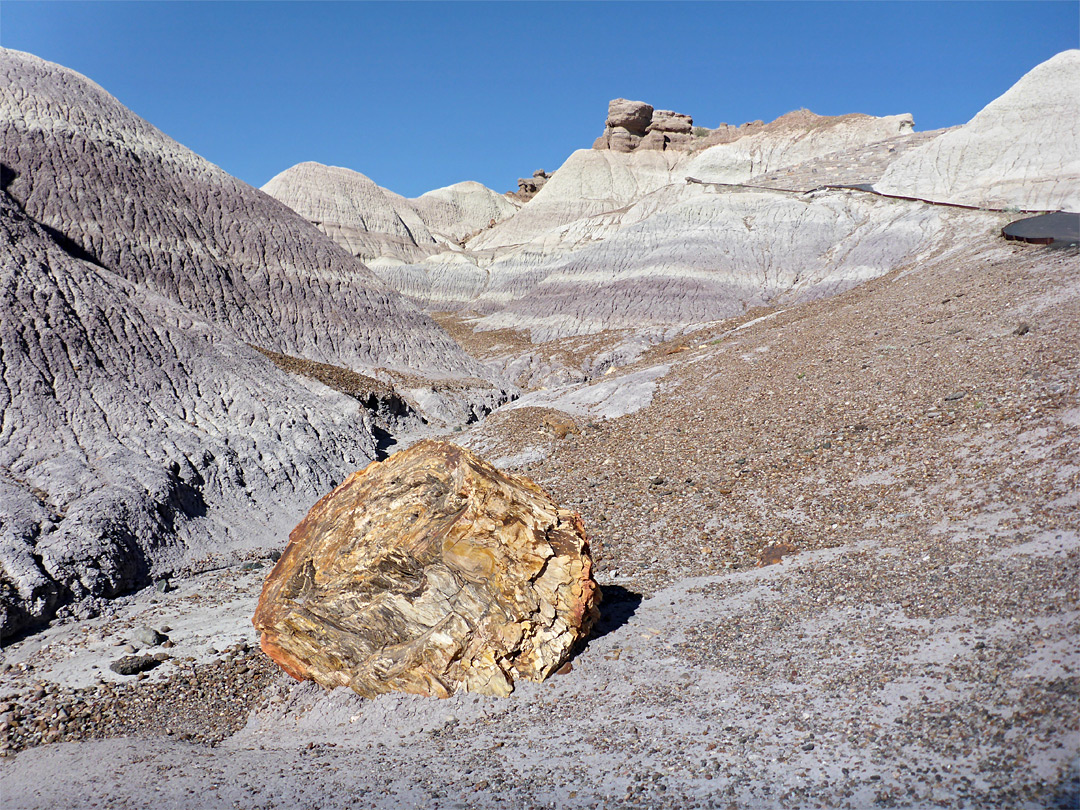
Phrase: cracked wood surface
[430,573]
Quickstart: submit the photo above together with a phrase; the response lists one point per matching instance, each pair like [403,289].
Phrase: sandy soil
[910,450]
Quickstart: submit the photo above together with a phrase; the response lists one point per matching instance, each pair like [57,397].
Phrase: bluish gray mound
[129,444]
[154,212]
[138,429]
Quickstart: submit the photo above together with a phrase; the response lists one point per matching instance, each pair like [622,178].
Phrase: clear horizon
[421,95]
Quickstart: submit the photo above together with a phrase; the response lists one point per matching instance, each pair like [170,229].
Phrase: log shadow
[617,607]
[385,441]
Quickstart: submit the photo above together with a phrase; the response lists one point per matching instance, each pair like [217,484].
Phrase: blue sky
[421,95]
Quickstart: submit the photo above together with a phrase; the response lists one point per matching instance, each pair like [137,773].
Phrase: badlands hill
[379,226]
[661,224]
[142,428]
[820,419]
[1021,151]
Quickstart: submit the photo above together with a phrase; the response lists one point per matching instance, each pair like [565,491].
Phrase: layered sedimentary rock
[617,240]
[633,116]
[142,205]
[595,182]
[597,192]
[632,125]
[670,121]
[669,130]
[590,182]
[370,222]
[431,572]
[529,186]
[791,139]
[463,209]
[130,443]
[445,282]
[1022,150]
[379,226]
[691,255]
[139,424]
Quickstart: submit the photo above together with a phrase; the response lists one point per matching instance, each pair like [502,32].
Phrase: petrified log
[430,572]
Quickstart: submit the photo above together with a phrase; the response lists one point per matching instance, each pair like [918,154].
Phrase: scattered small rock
[775,553]
[134,664]
[149,637]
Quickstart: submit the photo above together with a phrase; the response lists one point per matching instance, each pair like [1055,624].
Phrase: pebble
[148,637]
[134,664]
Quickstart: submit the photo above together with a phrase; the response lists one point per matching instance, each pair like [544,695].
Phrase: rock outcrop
[619,240]
[633,116]
[381,227]
[458,211]
[431,573]
[637,168]
[634,125]
[141,431]
[789,140]
[589,183]
[529,186]
[691,254]
[1020,151]
[369,221]
[137,437]
[142,205]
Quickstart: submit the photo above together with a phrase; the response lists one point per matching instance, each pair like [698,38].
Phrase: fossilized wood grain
[429,573]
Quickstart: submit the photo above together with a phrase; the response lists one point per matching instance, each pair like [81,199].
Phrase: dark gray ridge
[1062,227]
[141,433]
[130,446]
[113,189]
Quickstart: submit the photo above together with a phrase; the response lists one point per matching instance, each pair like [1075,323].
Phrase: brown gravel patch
[202,703]
[893,407]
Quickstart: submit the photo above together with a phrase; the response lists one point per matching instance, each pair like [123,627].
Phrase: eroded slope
[157,214]
[1022,150]
[129,445]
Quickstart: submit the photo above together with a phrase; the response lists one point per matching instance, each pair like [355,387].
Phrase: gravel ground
[909,451]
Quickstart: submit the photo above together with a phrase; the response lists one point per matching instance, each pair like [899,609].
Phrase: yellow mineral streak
[429,573]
